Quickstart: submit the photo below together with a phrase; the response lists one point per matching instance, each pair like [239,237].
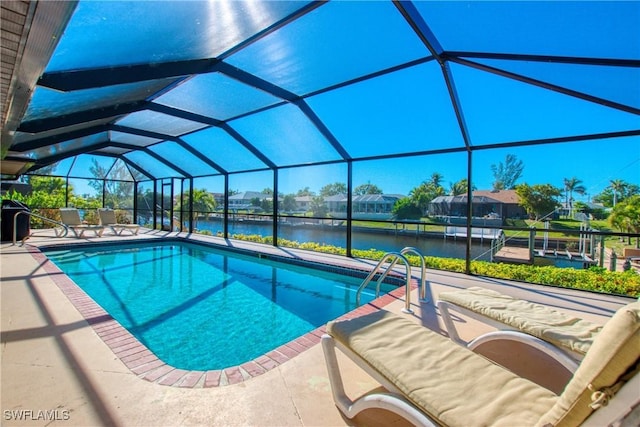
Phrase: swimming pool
[201,308]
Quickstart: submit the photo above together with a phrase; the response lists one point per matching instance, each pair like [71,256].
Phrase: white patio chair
[108,219]
[71,218]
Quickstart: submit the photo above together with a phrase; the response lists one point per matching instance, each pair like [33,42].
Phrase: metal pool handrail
[62,233]
[395,256]
[423,271]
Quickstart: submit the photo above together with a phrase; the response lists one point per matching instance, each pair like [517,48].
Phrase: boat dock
[513,255]
[520,255]
[476,232]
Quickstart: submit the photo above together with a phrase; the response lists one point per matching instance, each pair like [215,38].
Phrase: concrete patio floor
[53,360]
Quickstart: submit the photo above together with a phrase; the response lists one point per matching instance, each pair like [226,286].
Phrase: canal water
[427,245]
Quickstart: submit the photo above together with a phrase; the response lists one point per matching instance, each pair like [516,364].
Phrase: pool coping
[146,365]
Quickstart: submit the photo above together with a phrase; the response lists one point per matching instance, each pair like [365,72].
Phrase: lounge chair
[71,219]
[565,338]
[108,219]
[432,381]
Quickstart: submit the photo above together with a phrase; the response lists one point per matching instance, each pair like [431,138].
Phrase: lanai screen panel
[147,32]
[112,151]
[61,133]
[47,102]
[133,139]
[227,151]
[336,42]
[182,158]
[120,171]
[620,84]
[151,165]
[60,168]
[159,123]
[217,96]
[286,136]
[403,112]
[599,29]
[91,167]
[254,85]
[495,112]
[73,145]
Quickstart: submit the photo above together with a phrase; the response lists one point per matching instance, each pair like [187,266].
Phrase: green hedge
[594,279]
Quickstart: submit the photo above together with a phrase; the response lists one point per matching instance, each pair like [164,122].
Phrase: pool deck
[57,364]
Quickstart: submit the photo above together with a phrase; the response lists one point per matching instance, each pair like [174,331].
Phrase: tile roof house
[486,203]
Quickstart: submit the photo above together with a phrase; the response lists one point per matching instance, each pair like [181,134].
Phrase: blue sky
[406,111]
[411,111]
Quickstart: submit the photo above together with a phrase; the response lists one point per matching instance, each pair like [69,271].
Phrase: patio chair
[564,337]
[432,381]
[108,219]
[71,219]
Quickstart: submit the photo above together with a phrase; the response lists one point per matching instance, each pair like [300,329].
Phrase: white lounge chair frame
[108,219]
[568,359]
[392,401]
[71,219]
[624,405]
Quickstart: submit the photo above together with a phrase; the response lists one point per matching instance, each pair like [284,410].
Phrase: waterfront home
[366,206]
[485,203]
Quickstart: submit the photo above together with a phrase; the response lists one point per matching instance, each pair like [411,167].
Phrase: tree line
[539,200]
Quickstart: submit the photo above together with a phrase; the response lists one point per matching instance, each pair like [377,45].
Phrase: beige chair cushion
[560,329]
[450,383]
[614,352]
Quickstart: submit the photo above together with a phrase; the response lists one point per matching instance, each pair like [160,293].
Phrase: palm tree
[460,187]
[436,179]
[626,216]
[571,185]
[618,186]
[203,203]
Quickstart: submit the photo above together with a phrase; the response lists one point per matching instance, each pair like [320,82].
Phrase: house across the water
[493,204]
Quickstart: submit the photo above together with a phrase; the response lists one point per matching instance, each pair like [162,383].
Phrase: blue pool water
[200,308]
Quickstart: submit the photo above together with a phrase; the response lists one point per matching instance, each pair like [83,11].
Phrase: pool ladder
[395,257]
[62,232]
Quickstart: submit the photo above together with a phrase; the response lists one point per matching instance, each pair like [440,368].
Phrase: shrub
[594,279]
